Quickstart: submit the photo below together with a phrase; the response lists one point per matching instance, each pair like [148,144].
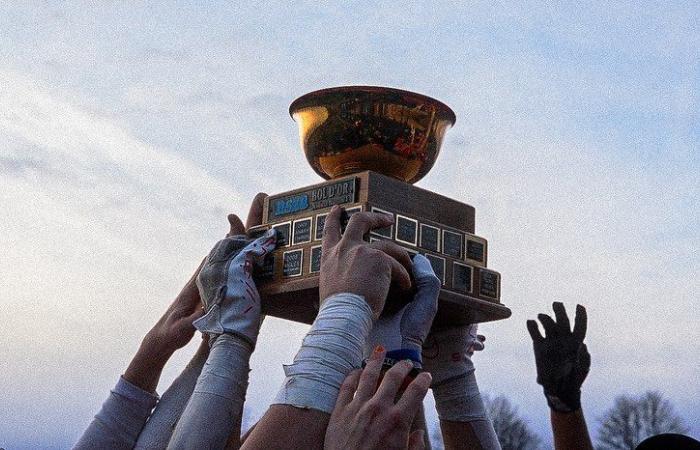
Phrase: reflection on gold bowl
[349,129]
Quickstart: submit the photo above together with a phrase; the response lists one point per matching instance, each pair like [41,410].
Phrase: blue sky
[130,131]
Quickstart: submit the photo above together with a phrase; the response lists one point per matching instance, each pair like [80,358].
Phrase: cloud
[128,138]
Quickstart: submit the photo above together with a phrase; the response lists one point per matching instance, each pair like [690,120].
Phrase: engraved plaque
[302,231]
[488,283]
[284,231]
[438,264]
[462,278]
[429,238]
[312,199]
[387,232]
[406,230]
[452,244]
[320,222]
[292,263]
[475,250]
[315,260]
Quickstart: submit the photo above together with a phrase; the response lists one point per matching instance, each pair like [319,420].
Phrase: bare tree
[512,430]
[633,419]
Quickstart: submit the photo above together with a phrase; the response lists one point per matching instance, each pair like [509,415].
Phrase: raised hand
[349,264]
[561,357]
[226,285]
[371,417]
[406,329]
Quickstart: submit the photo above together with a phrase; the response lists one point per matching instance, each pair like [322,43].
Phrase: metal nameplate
[312,199]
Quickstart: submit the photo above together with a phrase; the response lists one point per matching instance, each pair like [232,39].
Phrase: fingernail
[378,351]
[335,208]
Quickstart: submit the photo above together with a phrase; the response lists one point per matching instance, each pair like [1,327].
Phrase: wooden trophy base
[424,222]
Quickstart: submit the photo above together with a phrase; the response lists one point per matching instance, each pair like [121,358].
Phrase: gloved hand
[447,352]
[226,287]
[561,357]
[447,356]
[403,333]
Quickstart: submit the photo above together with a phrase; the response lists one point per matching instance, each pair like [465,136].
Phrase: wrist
[459,400]
[564,403]
[145,368]
[155,348]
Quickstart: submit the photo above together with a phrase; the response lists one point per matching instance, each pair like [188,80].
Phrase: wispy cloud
[127,137]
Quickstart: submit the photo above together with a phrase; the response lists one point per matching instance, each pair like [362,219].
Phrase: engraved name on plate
[302,231]
[292,263]
[312,199]
[476,249]
[406,230]
[462,278]
[284,233]
[320,223]
[488,283]
[429,238]
[315,260]
[452,244]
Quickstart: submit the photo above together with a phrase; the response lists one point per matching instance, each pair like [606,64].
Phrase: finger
[370,375]
[361,223]
[584,358]
[414,394]
[580,323]
[562,319]
[392,382]
[237,227]
[255,214]
[416,440]
[395,251]
[550,327]
[534,331]
[399,274]
[347,390]
[331,229]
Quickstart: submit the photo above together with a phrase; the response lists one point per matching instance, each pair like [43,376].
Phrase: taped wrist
[225,373]
[331,349]
[459,400]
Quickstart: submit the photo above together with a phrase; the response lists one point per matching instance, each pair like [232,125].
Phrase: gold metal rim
[311,99]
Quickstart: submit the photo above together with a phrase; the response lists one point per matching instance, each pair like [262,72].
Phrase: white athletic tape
[331,349]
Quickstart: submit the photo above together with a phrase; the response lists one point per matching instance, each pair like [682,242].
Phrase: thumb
[419,314]
[416,441]
[237,227]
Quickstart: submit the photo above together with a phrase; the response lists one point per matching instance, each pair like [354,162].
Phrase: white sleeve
[118,423]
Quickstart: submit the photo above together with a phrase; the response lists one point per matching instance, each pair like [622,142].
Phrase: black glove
[561,357]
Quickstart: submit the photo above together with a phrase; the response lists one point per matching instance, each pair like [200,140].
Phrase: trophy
[372,144]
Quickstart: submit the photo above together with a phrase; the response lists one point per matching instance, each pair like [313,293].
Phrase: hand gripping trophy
[372,144]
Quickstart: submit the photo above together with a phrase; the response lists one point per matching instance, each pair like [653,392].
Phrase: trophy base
[424,222]
[298,301]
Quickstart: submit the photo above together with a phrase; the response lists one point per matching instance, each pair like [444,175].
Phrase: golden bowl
[344,130]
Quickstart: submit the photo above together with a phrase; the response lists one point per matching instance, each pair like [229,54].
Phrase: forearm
[570,431]
[464,420]
[147,365]
[120,420]
[330,350]
[214,410]
[159,428]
